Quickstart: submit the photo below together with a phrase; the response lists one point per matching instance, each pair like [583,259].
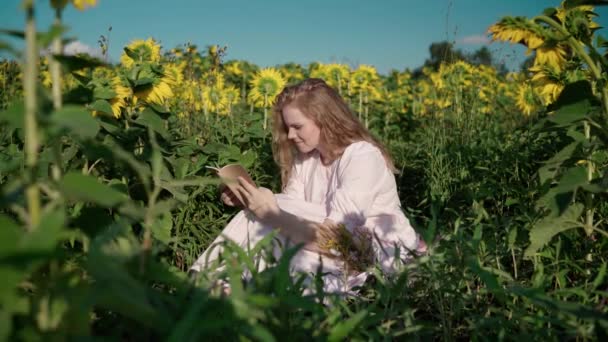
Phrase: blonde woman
[333,173]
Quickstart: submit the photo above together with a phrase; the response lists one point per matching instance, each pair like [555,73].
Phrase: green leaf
[601,274]
[544,230]
[9,234]
[571,113]
[78,62]
[56,30]
[131,53]
[552,165]
[77,120]
[102,106]
[161,228]
[559,198]
[572,179]
[577,310]
[104,93]
[550,11]
[512,237]
[149,118]
[14,115]
[487,277]
[341,330]
[143,83]
[78,187]
[574,93]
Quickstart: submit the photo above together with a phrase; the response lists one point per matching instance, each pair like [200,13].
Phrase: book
[228,175]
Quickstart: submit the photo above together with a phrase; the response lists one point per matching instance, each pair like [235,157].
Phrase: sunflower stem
[589,196]
[55,70]
[54,66]
[265,109]
[31,127]
[597,74]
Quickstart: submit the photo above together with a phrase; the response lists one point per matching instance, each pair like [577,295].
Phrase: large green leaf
[102,106]
[552,165]
[114,287]
[578,310]
[547,228]
[341,330]
[74,63]
[77,120]
[559,198]
[572,179]
[574,93]
[161,228]
[571,113]
[149,118]
[79,187]
[104,93]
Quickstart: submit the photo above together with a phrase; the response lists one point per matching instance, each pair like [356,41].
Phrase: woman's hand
[229,198]
[260,201]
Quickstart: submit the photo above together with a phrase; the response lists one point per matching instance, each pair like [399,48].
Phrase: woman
[333,172]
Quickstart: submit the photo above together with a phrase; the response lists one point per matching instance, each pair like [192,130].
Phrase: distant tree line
[445,52]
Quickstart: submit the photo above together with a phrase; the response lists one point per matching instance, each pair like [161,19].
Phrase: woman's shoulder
[361,147]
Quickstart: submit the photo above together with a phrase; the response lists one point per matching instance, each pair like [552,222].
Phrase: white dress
[358,189]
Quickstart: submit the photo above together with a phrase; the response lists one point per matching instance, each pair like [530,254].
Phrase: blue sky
[388,34]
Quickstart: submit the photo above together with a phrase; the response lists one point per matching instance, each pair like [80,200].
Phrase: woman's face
[301,130]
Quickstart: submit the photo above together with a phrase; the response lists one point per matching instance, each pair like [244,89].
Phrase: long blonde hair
[338,125]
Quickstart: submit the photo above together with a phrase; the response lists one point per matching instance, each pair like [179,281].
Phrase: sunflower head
[364,76]
[518,30]
[527,100]
[140,51]
[265,86]
[578,20]
[81,5]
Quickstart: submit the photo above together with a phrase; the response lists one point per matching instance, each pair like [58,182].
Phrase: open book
[229,173]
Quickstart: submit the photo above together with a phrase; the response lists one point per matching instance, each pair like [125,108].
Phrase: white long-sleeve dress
[357,189]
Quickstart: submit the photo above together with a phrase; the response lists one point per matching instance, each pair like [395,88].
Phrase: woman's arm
[262,203]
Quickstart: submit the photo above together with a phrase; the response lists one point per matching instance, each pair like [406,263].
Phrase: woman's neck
[327,158]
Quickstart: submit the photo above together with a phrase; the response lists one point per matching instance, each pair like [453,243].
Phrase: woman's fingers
[229,199]
[245,184]
[245,195]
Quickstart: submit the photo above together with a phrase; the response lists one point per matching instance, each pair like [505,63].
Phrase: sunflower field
[105,200]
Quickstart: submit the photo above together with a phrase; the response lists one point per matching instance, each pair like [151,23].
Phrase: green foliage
[127,206]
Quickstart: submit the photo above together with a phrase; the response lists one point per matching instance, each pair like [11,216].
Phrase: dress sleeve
[361,172]
[295,184]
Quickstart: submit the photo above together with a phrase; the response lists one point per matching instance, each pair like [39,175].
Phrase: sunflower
[547,83]
[553,55]
[140,51]
[175,72]
[568,17]
[212,96]
[337,75]
[232,96]
[265,86]
[234,68]
[363,77]
[158,90]
[527,99]
[121,94]
[191,95]
[518,30]
[81,5]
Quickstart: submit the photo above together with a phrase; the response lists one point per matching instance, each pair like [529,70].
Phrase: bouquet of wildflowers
[354,248]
